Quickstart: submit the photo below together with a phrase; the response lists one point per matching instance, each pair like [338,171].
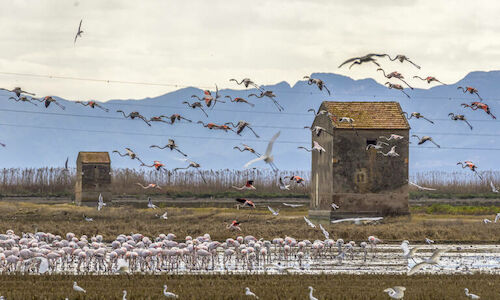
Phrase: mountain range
[38,137]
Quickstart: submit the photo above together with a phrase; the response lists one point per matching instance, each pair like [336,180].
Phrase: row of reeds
[58,181]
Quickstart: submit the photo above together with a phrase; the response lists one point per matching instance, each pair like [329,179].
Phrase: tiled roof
[94,157]
[368,115]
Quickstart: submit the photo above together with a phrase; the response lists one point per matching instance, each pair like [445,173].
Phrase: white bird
[407,252]
[280,268]
[283,186]
[150,204]
[266,157]
[88,219]
[357,221]
[392,137]
[309,222]
[100,203]
[292,205]
[250,293]
[168,294]
[124,295]
[274,212]
[335,206]
[433,260]
[429,241]
[421,187]
[325,233]
[397,292]
[77,288]
[122,266]
[494,189]
[311,297]
[391,153]
[497,217]
[164,216]
[486,221]
[469,295]
[377,146]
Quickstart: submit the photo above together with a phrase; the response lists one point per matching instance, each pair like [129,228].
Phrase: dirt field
[232,286]
[111,221]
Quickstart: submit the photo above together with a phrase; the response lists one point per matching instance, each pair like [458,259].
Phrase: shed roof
[368,115]
[94,157]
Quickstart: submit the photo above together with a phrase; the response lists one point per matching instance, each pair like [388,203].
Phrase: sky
[200,43]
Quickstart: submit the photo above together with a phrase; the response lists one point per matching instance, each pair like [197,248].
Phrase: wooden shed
[361,179]
[93,177]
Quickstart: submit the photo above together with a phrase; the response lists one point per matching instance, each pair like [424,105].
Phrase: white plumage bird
[494,189]
[266,157]
[421,187]
[433,260]
[78,289]
[470,295]
[150,204]
[325,232]
[292,205]
[168,294]
[309,222]
[335,206]
[250,293]
[100,202]
[397,292]
[274,212]
[357,221]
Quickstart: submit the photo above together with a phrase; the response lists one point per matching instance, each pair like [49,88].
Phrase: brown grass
[63,218]
[347,287]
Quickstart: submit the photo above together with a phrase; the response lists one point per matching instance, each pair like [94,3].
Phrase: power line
[175,85]
[211,138]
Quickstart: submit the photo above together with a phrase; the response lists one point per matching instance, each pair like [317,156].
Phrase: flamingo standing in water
[247,148]
[267,157]
[459,118]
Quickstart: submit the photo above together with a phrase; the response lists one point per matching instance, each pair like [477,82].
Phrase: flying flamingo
[270,95]
[349,121]
[429,79]
[267,157]
[134,115]
[156,164]
[92,104]
[79,32]
[245,203]
[470,90]
[177,117]
[421,187]
[397,292]
[480,105]
[396,87]
[18,91]
[424,139]
[396,75]
[77,288]
[23,99]
[248,186]
[471,166]
[208,98]
[459,118]
[246,82]
[417,115]
[247,148]
[171,145]
[239,100]
[316,147]
[282,185]
[318,82]
[377,146]
[363,59]
[308,222]
[48,99]
[403,58]
[192,164]
[241,125]
[195,105]
[149,186]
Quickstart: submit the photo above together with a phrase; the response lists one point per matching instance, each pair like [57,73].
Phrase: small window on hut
[371,142]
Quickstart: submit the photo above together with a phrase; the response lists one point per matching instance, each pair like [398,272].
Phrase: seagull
[134,115]
[497,217]
[494,189]
[396,87]
[292,205]
[325,232]
[274,212]
[168,294]
[283,186]
[421,187]
[249,293]
[397,292]
[79,32]
[407,252]
[100,202]
[335,206]
[309,222]
[311,297]
[469,295]
[316,147]
[247,148]
[357,221]
[424,139]
[150,204]
[391,153]
[429,79]
[377,146]
[486,221]
[392,137]
[88,219]
[149,186]
[77,288]
[124,295]
[164,216]
[429,241]
[267,157]
[270,95]
[363,59]
[248,186]
[433,260]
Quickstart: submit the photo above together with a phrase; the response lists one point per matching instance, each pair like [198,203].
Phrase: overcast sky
[200,43]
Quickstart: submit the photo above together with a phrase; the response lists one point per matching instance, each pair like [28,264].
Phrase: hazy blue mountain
[36,136]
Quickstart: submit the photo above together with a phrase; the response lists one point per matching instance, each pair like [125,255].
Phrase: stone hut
[362,182]
[93,177]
